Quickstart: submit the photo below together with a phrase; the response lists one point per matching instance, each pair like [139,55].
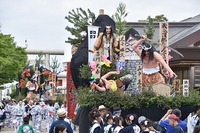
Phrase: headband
[145,48]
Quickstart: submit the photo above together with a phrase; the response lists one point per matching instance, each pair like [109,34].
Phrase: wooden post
[164,41]
[101,11]
[122,46]
[176,86]
[54,81]
[139,77]
[98,64]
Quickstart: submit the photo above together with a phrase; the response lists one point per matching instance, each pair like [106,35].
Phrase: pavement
[11,130]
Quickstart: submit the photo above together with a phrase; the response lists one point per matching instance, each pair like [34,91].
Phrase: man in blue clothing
[61,116]
[173,121]
[164,121]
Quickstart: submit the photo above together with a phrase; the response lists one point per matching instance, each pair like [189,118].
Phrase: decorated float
[36,74]
[88,64]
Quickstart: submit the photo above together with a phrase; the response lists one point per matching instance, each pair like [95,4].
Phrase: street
[11,130]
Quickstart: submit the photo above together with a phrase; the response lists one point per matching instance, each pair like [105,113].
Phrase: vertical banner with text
[177,85]
[164,44]
[186,87]
[139,77]
[98,64]
[92,36]
[71,94]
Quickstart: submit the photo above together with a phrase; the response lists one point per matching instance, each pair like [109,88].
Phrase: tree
[80,19]
[119,18]
[149,28]
[160,18]
[39,59]
[12,59]
[54,65]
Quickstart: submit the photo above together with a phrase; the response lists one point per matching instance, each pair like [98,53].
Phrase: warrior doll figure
[151,61]
[107,43]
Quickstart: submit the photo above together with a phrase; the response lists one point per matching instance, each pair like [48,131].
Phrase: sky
[42,22]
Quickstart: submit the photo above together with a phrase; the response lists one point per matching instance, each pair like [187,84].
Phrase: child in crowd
[95,118]
[118,124]
[25,128]
[131,122]
[108,121]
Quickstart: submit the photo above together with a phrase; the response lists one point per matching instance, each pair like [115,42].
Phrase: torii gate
[47,54]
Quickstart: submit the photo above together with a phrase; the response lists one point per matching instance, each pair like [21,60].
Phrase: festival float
[89,64]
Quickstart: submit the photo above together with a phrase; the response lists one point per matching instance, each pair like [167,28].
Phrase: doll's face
[108,30]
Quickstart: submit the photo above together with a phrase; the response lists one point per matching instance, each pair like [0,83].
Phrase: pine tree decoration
[80,20]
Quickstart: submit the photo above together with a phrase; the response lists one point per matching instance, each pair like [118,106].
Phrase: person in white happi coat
[36,117]
[19,112]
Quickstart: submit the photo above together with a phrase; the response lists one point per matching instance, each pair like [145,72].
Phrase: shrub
[89,98]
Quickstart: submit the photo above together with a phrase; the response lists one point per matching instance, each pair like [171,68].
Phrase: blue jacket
[69,128]
[170,128]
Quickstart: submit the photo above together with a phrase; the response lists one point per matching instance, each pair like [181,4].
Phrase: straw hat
[61,113]
[102,107]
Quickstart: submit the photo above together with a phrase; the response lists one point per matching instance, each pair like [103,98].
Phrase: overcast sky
[42,22]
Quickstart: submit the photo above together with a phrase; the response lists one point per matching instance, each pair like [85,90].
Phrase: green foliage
[80,19]
[88,98]
[19,98]
[21,95]
[59,99]
[39,59]
[13,94]
[12,59]
[160,18]
[149,28]
[54,65]
[119,18]
[85,71]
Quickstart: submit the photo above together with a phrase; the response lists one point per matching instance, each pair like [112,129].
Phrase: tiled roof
[185,33]
[192,19]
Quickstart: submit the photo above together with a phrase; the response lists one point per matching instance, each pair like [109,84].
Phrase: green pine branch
[119,18]
[80,19]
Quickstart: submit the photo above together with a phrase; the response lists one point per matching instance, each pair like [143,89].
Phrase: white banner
[92,36]
[185,87]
